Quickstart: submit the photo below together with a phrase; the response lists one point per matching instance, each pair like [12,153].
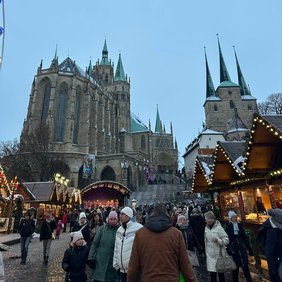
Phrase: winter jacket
[47,229]
[159,253]
[273,249]
[26,227]
[123,245]
[102,250]
[238,245]
[74,263]
[197,223]
[213,249]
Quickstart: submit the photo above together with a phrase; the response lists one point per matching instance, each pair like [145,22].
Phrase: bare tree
[272,105]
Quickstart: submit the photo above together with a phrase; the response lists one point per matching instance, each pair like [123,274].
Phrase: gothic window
[232,106]
[107,78]
[122,88]
[76,114]
[61,111]
[250,108]
[143,145]
[115,88]
[215,108]
[46,101]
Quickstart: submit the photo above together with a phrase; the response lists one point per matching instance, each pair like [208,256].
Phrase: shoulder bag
[225,262]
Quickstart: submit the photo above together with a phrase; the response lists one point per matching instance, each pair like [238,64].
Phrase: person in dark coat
[83,226]
[273,244]
[26,229]
[198,224]
[75,258]
[46,235]
[238,245]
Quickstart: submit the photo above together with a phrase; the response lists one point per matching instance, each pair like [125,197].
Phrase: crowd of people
[155,243]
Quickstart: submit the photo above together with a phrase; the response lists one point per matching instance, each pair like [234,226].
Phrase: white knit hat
[76,236]
[231,214]
[82,215]
[128,211]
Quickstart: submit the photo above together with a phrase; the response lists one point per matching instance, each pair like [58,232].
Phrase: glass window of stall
[229,201]
[278,195]
[256,203]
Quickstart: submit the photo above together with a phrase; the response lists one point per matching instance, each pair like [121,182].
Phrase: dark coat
[191,240]
[198,224]
[26,227]
[84,230]
[46,228]
[273,250]
[238,245]
[74,263]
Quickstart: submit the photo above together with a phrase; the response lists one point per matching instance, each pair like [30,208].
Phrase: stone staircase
[164,193]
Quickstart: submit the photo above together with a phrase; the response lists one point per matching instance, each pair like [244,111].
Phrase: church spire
[241,80]
[224,75]
[105,60]
[54,63]
[210,91]
[158,126]
[90,69]
[119,75]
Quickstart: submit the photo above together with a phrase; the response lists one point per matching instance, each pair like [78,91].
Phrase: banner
[88,165]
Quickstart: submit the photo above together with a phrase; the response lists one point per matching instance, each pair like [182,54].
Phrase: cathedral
[92,129]
[228,111]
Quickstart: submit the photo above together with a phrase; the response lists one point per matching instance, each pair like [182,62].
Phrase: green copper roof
[105,61]
[241,80]
[136,125]
[119,75]
[224,75]
[90,69]
[210,91]
[227,84]
[158,126]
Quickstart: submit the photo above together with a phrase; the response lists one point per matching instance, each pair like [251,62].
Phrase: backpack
[261,237]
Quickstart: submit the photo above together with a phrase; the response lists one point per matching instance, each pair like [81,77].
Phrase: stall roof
[42,191]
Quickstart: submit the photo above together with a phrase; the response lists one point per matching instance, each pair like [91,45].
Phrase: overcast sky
[162,47]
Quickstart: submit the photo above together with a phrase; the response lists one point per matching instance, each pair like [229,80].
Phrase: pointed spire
[90,69]
[210,91]
[241,80]
[175,145]
[158,126]
[119,75]
[164,129]
[224,75]
[54,63]
[171,128]
[149,125]
[56,56]
[105,60]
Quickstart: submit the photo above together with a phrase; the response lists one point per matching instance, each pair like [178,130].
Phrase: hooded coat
[212,248]
[159,253]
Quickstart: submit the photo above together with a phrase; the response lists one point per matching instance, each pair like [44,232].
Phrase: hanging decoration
[2,33]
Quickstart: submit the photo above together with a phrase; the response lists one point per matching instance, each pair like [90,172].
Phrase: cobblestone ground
[36,271]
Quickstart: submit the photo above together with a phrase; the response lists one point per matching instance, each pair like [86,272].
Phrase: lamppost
[13,185]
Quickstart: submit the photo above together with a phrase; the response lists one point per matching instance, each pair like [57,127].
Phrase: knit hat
[76,236]
[276,217]
[231,214]
[181,216]
[128,211]
[209,215]
[82,215]
[113,214]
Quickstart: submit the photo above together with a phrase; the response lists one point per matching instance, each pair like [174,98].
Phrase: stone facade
[88,114]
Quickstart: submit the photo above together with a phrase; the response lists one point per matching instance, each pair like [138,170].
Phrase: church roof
[236,124]
[68,65]
[105,61]
[210,91]
[158,126]
[227,84]
[136,124]
[224,75]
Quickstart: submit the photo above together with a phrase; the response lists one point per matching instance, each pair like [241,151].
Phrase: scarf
[235,227]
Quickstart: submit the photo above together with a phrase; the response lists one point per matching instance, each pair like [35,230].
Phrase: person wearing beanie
[75,258]
[215,237]
[124,241]
[102,250]
[159,252]
[273,244]
[83,226]
[238,245]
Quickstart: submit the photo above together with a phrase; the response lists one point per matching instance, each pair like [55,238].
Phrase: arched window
[61,111]
[46,101]
[215,108]
[76,114]
[250,108]
[232,106]
[143,144]
[107,78]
